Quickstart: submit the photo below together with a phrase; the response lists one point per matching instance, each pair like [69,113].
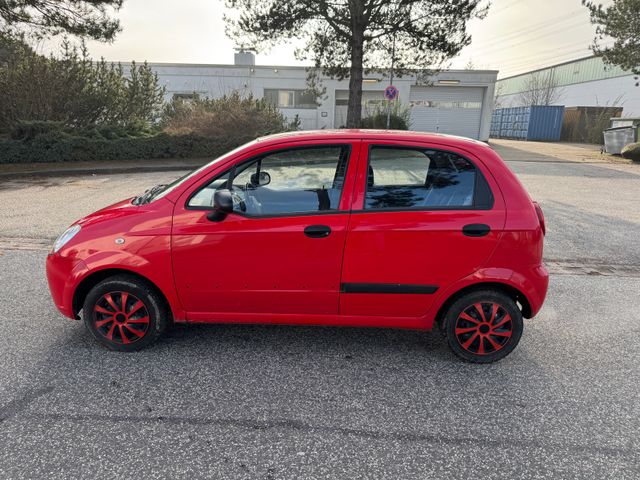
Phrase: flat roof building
[457,102]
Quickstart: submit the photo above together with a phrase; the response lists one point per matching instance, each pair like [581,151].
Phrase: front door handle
[317,231]
[476,230]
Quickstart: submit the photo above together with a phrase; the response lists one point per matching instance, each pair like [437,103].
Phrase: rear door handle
[476,230]
[317,231]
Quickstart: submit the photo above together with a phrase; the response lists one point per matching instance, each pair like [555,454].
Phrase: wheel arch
[519,297]
[91,280]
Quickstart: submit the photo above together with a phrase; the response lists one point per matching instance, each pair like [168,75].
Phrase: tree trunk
[354,110]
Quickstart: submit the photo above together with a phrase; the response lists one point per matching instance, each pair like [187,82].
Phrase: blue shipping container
[541,123]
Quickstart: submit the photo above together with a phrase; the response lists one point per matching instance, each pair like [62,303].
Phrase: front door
[280,251]
[424,217]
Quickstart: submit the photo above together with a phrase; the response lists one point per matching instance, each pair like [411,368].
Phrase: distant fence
[586,124]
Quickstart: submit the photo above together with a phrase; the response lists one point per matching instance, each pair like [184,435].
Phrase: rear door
[423,217]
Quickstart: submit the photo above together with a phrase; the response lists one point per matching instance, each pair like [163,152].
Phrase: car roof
[367,134]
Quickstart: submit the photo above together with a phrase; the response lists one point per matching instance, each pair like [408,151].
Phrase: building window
[365,103]
[444,105]
[184,96]
[290,98]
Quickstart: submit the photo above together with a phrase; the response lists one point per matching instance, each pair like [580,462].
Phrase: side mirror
[222,205]
[260,179]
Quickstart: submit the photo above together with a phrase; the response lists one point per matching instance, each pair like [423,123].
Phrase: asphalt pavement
[278,402]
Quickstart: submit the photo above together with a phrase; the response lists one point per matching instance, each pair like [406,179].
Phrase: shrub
[27,130]
[632,152]
[597,123]
[74,90]
[377,118]
[233,117]
[380,121]
[202,128]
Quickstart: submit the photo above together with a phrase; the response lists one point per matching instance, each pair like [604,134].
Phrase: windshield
[166,189]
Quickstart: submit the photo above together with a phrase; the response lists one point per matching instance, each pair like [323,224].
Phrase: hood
[121,209]
[125,218]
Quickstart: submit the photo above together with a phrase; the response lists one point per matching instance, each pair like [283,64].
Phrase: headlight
[68,234]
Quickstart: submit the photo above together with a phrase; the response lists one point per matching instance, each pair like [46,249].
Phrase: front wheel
[483,326]
[125,313]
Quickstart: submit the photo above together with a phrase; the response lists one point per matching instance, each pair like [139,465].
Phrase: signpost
[391,92]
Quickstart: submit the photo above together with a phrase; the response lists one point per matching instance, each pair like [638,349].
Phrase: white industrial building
[457,102]
[586,82]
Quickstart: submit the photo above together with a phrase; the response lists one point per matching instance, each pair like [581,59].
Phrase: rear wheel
[483,326]
[125,313]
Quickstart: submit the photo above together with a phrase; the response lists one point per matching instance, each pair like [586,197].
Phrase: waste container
[615,139]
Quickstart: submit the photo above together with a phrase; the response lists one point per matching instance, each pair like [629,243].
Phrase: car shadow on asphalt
[409,348]
[305,339]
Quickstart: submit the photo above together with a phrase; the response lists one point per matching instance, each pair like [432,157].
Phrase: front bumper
[64,275]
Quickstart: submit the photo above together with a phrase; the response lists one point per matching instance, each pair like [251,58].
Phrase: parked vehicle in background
[349,227]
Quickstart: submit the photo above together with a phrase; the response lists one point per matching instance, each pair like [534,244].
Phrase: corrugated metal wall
[541,123]
[578,71]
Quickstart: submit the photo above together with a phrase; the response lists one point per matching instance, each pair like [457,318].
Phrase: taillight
[540,217]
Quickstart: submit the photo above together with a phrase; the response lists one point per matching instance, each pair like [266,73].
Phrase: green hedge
[54,146]
[632,152]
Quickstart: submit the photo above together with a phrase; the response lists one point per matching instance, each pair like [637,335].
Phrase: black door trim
[387,288]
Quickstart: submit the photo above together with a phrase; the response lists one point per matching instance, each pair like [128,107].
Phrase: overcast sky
[516,36]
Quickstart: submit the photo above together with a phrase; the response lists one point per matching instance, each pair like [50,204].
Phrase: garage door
[452,110]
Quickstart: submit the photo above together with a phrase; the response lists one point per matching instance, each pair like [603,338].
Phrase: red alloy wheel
[484,328]
[121,317]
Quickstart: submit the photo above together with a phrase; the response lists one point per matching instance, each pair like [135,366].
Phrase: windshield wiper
[148,195]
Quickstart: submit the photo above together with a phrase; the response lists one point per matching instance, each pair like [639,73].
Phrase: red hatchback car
[355,228]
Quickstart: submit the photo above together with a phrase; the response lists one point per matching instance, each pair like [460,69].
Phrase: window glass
[285,98]
[415,178]
[305,99]
[444,105]
[290,181]
[290,98]
[271,96]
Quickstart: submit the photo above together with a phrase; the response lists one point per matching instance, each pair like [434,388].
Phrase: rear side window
[411,178]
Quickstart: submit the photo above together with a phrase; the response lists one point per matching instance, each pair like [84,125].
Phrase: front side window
[406,178]
[295,181]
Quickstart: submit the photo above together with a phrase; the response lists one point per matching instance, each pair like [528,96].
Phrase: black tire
[483,336]
[132,327]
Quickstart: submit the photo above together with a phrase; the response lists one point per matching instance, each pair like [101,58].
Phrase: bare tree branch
[541,88]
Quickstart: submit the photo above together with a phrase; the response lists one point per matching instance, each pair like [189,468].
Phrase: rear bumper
[63,275]
[533,283]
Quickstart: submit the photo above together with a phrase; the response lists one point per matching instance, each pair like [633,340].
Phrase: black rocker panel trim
[387,288]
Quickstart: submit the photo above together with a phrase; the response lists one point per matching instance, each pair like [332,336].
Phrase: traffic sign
[391,92]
